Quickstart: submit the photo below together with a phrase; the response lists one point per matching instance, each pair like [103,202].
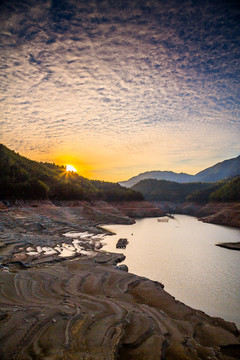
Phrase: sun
[70,168]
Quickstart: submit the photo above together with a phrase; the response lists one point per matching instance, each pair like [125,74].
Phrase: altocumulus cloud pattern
[109,76]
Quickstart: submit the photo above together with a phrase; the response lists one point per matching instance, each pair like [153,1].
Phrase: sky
[116,87]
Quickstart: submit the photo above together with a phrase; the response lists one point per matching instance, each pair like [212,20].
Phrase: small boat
[163,219]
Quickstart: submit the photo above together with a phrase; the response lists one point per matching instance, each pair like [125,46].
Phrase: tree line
[22,178]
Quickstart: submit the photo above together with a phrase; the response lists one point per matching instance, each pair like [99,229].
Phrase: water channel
[181,254]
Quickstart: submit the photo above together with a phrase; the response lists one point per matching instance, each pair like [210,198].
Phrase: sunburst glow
[70,168]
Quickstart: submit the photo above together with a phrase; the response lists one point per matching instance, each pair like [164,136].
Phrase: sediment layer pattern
[53,308]
[85,310]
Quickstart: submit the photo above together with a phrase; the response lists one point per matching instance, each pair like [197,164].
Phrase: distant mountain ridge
[224,169]
[219,171]
[159,175]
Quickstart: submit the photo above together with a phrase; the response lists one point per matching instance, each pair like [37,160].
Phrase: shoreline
[82,306]
[230,246]
[188,245]
[227,214]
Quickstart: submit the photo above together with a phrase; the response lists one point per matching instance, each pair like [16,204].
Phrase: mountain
[163,190]
[22,178]
[221,170]
[159,175]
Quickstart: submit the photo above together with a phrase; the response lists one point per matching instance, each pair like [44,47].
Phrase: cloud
[118,73]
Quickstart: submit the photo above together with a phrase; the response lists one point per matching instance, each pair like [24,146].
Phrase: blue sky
[116,88]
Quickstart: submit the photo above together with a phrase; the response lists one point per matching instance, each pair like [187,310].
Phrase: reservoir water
[181,254]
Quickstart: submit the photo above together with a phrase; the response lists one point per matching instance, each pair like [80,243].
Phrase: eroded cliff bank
[63,298]
[216,213]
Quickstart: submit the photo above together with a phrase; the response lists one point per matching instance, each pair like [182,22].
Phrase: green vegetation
[203,196]
[227,190]
[223,191]
[230,191]
[163,190]
[21,178]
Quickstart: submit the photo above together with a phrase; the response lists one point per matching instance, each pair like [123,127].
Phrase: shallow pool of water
[181,253]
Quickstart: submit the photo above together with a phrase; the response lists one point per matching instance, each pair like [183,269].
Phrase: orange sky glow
[120,88]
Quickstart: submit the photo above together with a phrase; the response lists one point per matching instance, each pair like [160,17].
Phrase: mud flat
[77,305]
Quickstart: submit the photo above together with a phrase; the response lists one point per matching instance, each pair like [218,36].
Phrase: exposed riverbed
[63,298]
[181,254]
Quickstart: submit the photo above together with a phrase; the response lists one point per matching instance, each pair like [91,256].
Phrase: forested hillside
[163,190]
[21,178]
[227,190]
[222,191]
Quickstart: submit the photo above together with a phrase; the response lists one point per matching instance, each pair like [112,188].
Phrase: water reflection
[181,253]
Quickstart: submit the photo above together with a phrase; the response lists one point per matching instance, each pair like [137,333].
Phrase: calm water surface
[181,253]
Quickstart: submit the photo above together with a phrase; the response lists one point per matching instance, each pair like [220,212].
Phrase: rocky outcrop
[231,246]
[85,307]
[86,310]
[223,214]
[122,267]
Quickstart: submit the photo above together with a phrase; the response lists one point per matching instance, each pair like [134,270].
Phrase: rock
[230,246]
[6,203]
[122,267]
[134,318]
[3,315]
[122,243]
[98,245]
[41,226]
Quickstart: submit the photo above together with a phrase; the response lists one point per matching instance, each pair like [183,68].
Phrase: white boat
[163,219]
